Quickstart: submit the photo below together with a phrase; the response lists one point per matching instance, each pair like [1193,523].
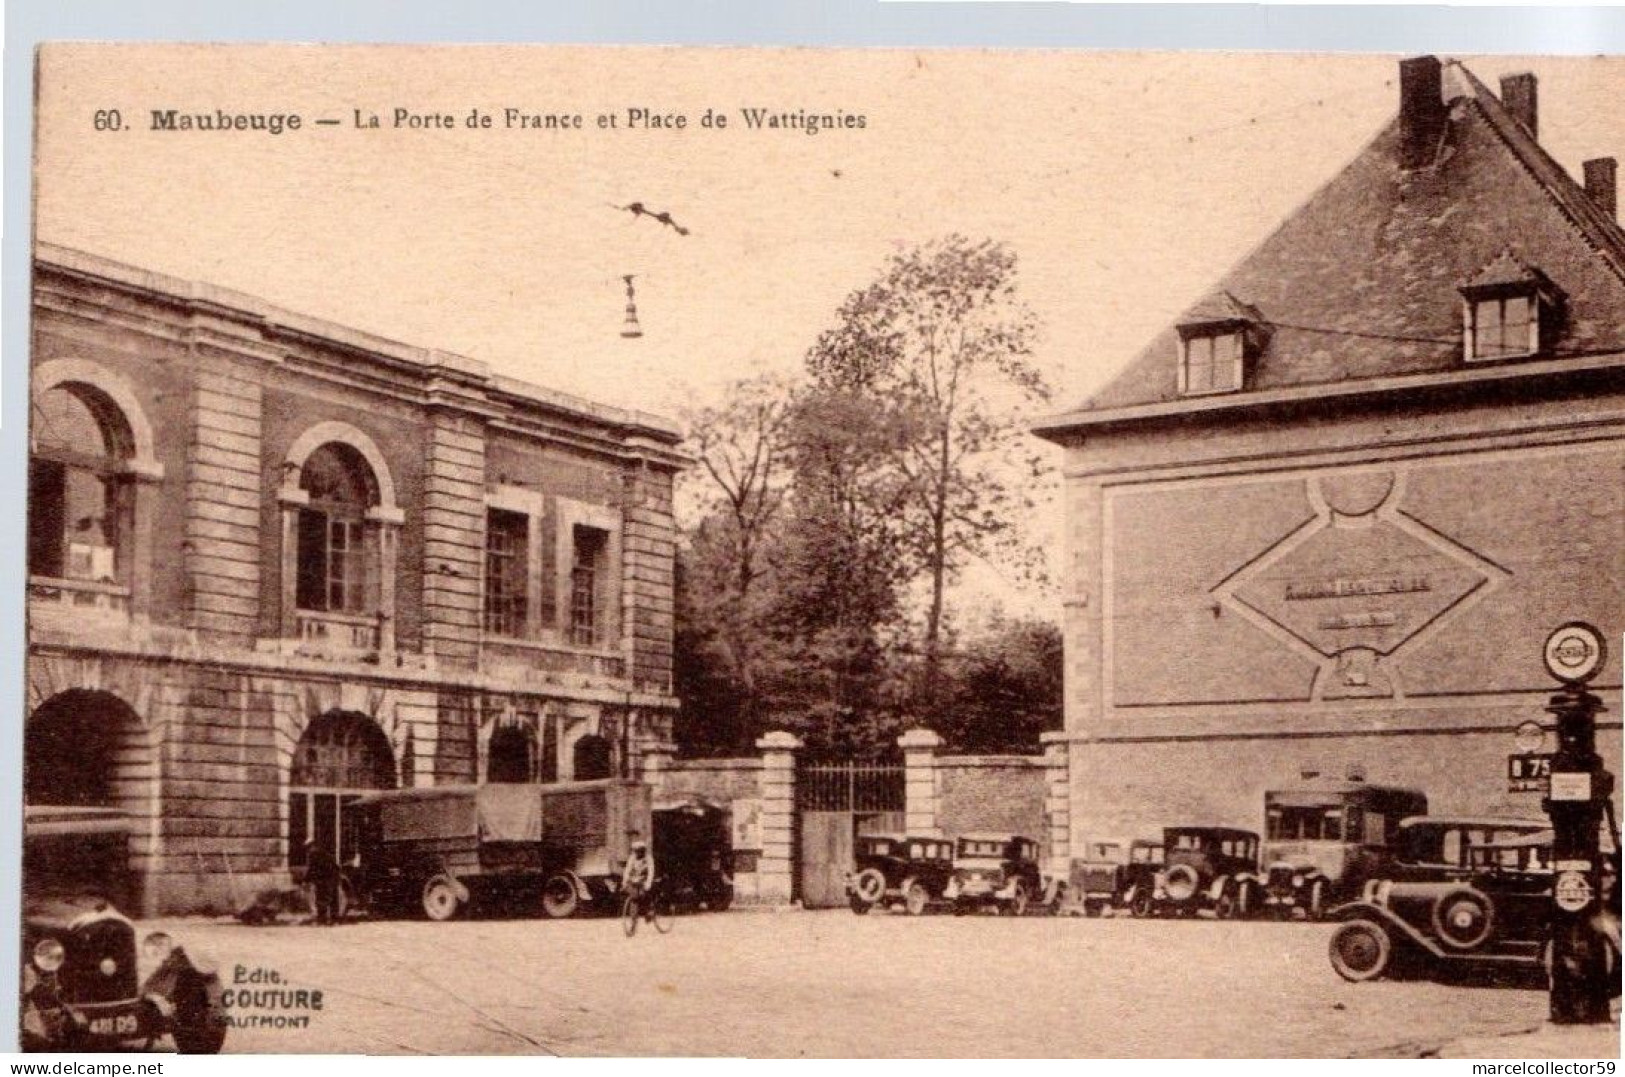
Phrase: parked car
[555,847]
[1000,871]
[81,983]
[1468,892]
[1114,873]
[910,871]
[1206,868]
[1323,840]
[692,853]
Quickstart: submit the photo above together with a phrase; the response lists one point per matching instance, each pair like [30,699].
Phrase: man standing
[322,875]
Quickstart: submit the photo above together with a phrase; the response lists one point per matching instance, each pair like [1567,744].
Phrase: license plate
[122,1024]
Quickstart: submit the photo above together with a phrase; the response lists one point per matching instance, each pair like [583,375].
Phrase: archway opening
[511,755]
[340,756]
[592,758]
[81,748]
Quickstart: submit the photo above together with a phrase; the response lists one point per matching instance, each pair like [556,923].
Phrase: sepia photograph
[605,551]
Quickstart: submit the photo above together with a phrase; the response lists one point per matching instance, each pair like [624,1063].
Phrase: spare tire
[870,885]
[1463,918]
[1181,883]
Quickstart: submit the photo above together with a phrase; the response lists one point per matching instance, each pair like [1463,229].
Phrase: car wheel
[200,1019]
[440,900]
[560,901]
[720,899]
[870,885]
[1225,907]
[1018,900]
[1091,908]
[1244,901]
[1316,908]
[858,905]
[1361,950]
[916,898]
[1140,905]
[1463,918]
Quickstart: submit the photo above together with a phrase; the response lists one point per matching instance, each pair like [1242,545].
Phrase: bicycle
[649,906]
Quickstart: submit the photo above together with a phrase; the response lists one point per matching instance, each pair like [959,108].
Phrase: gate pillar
[776,868]
[920,780]
[1057,795]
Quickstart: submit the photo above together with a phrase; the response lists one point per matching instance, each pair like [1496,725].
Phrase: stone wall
[990,792]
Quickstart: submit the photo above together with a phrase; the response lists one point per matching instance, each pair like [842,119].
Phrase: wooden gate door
[835,803]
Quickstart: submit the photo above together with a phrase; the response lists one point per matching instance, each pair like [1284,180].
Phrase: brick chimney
[1518,95]
[1602,184]
[1421,110]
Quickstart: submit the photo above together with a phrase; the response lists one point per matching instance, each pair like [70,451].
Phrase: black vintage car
[692,853]
[82,984]
[1115,873]
[1465,893]
[1206,868]
[911,871]
[1000,871]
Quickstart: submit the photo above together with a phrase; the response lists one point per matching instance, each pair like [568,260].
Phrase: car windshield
[1317,823]
[972,848]
[1197,842]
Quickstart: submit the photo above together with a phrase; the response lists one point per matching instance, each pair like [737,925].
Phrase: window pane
[64,421]
[312,582]
[47,492]
[506,572]
[586,576]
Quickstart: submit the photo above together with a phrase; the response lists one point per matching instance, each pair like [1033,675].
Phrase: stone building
[1324,522]
[274,562]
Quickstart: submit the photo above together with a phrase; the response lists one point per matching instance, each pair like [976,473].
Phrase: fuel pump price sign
[1528,772]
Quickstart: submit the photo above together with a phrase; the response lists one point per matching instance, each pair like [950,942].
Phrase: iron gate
[835,802]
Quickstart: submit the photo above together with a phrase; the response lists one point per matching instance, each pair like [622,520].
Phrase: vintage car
[1205,868]
[1114,873]
[1324,839]
[910,871]
[82,983]
[692,852]
[1000,871]
[1466,893]
[555,847]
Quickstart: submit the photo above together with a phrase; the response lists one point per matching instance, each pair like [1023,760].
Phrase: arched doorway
[83,748]
[340,756]
[511,755]
[591,759]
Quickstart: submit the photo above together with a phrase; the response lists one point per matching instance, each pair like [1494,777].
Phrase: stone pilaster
[223,479]
[654,760]
[453,536]
[1057,796]
[920,780]
[776,868]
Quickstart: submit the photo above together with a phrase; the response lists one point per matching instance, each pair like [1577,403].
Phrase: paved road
[833,984]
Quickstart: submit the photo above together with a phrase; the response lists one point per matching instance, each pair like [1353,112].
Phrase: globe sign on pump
[1575,652]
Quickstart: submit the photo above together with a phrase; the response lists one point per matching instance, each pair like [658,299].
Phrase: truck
[556,848]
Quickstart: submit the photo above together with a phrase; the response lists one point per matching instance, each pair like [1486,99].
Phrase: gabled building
[1324,523]
[274,563]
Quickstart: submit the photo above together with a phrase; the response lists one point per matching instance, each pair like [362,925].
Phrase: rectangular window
[1504,327]
[587,575]
[507,550]
[330,563]
[1213,363]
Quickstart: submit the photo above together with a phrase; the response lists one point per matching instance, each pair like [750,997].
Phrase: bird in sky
[638,209]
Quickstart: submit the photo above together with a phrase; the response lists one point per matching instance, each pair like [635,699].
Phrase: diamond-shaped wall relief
[1354,589]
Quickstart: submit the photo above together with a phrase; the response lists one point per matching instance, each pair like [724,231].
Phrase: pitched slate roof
[1362,281]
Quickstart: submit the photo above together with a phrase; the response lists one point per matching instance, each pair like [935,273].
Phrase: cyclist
[639,876]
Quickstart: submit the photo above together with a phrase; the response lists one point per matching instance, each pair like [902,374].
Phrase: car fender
[1365,910]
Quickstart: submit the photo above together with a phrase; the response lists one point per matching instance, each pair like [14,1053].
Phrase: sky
[1126,183]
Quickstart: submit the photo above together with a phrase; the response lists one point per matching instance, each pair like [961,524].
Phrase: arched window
[340,756]
[592,758]
[332,531]
[79,489]
[511,755]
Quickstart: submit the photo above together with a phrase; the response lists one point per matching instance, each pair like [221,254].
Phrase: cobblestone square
[832,984]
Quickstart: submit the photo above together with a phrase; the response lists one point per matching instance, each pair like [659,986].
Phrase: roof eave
[1060,428]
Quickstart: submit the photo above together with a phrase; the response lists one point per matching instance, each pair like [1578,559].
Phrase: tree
[942,342]
[1004,688]
[741,484]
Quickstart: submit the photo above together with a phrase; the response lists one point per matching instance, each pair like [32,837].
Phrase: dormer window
[1212,362]
[1509,311]
[1218,338]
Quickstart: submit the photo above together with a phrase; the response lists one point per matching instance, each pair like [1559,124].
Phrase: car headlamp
[156,946]
[49,955]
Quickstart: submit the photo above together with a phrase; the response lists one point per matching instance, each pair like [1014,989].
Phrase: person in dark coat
[322,875]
